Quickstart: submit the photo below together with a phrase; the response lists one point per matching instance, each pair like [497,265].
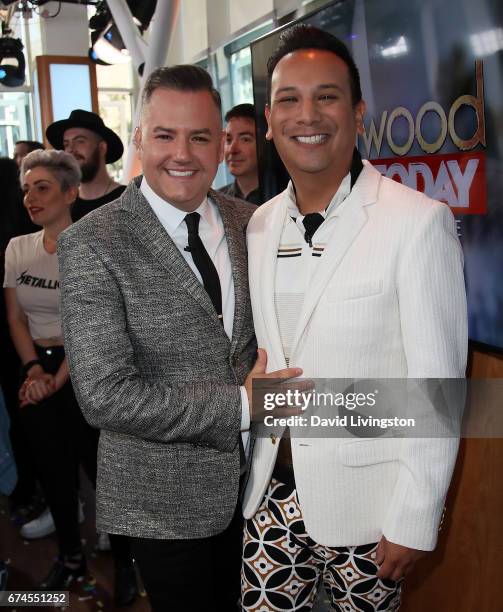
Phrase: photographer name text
[353,420]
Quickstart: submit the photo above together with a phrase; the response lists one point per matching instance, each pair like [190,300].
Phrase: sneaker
[25,512]
[43,525]
[61,575]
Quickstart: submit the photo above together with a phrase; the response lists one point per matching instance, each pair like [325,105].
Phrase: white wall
[283,7]
[66,34]
[218,22]
[176,54]
[243,13]
[194,26]
[211,23]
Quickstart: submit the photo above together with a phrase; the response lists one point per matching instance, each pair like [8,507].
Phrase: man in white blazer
[352,275]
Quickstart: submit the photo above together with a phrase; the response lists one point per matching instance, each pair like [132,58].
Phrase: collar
[340,195]
[356,167]
[169,215]
[237,190]
[251,197]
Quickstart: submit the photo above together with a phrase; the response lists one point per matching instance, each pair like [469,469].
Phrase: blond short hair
[62,165]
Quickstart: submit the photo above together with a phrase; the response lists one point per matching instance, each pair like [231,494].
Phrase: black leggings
[61,439]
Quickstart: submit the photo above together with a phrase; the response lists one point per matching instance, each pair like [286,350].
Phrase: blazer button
[234,361]
[273,438]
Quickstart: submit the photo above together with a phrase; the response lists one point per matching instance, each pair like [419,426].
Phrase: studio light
[400,47]
[108,47]
[12,62]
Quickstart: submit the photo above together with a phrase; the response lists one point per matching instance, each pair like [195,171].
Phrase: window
[15,122]
[240,68]
[115,100]
[15,102]
[115,110]
[241,76]
[232,74]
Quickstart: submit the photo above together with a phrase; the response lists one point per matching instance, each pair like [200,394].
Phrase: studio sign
[455,178]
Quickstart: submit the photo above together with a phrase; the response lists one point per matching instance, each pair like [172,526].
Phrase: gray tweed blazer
[153,368]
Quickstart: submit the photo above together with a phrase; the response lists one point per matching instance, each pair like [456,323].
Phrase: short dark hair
[33,145]
[302,36]
[241,110]
[184,77]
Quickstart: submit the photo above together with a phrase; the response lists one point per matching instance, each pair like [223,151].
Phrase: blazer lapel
[235,235]
[147,227]
[271,237]
[349,222]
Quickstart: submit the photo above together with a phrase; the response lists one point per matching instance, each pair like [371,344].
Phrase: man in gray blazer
[159,335]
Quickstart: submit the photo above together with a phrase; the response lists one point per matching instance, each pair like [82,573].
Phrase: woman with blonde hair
[59,436]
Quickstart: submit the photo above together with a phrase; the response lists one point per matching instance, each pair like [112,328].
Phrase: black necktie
[312,222]
[211,283]
[203,263]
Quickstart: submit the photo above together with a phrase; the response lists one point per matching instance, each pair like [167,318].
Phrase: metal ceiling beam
[129,32]
[163,25]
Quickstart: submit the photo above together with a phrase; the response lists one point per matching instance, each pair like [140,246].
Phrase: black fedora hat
[91,121]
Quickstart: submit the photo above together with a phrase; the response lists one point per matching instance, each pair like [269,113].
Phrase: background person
[93,145]
[240,153]
[57,432]
[53,423]
[23,147]
[25,501]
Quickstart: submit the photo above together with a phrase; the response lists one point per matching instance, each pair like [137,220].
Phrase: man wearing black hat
[86,137]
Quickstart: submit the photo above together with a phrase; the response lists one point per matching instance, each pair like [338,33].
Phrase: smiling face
[44,200]
[180,144]
[312,118]
[240,147]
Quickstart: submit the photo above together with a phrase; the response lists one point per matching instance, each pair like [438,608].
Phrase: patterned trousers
[283,567]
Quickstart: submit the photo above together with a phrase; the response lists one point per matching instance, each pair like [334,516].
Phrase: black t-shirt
[81,207]
[232,189]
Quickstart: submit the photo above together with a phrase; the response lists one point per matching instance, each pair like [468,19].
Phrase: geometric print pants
[283,567]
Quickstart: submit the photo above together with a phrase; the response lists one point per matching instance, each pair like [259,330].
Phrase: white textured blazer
[387,301]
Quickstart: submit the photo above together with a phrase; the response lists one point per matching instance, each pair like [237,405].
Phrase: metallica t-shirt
[34,273]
